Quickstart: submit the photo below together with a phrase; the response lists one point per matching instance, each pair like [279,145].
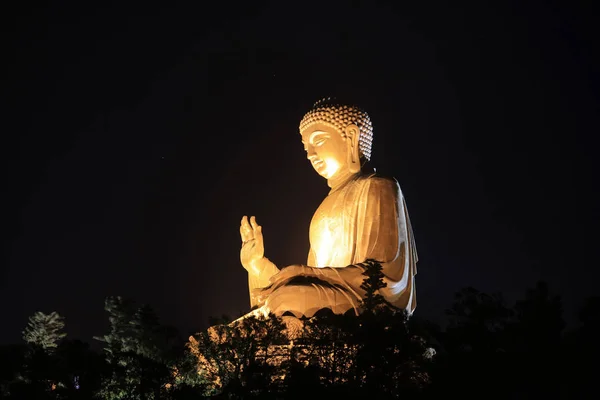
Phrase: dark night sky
[135,138]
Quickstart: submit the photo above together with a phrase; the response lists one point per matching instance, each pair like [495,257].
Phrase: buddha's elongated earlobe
[353,153]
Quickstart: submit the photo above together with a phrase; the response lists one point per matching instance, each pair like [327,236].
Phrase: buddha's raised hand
[253,249]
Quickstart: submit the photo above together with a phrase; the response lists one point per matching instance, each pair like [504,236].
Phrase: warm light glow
[325,245]
[331,167]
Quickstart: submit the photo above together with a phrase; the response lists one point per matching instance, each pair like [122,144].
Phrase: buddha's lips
[317,163]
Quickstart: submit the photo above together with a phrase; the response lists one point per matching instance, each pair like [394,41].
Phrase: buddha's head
[337,138]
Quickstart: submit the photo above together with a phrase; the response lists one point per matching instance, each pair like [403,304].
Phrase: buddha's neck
[340,179]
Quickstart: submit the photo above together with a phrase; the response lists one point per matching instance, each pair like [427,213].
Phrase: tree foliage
[44,330]
[373,281]
[138,349]
[488,348]
[373,354]
[241,354]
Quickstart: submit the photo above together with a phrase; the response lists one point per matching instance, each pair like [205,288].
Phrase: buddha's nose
[310,153]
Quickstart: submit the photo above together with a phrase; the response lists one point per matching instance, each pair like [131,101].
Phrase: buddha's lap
[301,298]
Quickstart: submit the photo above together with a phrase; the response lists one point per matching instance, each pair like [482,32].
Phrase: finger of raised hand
[257,229]
[242,233]
[253,223]
[258,233]
[246,231]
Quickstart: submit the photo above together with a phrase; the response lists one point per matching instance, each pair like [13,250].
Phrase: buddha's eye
[319,141]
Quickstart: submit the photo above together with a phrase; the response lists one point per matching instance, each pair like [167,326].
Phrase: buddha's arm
[379,225]
[386,236]
[259,277]
[349,276]
[252,257]
[350,272]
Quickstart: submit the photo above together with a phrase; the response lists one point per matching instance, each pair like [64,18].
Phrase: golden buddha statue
[364,216]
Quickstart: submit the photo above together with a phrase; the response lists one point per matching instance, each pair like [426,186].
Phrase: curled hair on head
[338,115]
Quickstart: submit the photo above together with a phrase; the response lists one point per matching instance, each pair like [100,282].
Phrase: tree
[477,321]
[120,339]
[241,356]
[536,336]
[44,330]
[138,351]
[80,369]
[539,318]
[373,300]
[40,375]
[583,351]
[476,341]
[13,358]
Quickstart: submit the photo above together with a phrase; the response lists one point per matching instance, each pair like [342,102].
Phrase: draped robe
[364,218]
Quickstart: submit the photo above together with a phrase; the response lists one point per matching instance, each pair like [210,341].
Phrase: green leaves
[44,330]
[139,351]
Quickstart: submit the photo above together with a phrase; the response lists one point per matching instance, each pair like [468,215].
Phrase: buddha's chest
[330,214]
[331,227]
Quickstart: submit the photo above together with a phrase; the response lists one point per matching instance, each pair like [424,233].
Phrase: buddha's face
[326,149]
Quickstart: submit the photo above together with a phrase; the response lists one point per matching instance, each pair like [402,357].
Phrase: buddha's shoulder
[379,181]
[376,178]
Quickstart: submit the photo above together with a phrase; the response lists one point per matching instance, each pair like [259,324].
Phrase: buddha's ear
[352,133]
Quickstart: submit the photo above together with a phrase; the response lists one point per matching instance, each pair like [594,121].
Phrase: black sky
[135,138]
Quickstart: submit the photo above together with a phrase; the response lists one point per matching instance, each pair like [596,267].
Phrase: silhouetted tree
[11,368]
[536,338]
[240,357]
[589,315]
[328,345]
[582,351]
[137,350]
[80,369]
[539,318]
[371,284]
[488,349]
[475,344]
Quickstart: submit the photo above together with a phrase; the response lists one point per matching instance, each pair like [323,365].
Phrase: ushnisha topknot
[337,115]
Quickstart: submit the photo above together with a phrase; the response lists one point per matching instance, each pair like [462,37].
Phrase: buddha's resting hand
[326,273]
[253,248]
[292,271]
[349,275]
[348,278]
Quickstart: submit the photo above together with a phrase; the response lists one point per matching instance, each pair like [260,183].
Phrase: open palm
[253,249]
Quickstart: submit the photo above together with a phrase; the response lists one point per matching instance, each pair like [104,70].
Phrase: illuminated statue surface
[364,216]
